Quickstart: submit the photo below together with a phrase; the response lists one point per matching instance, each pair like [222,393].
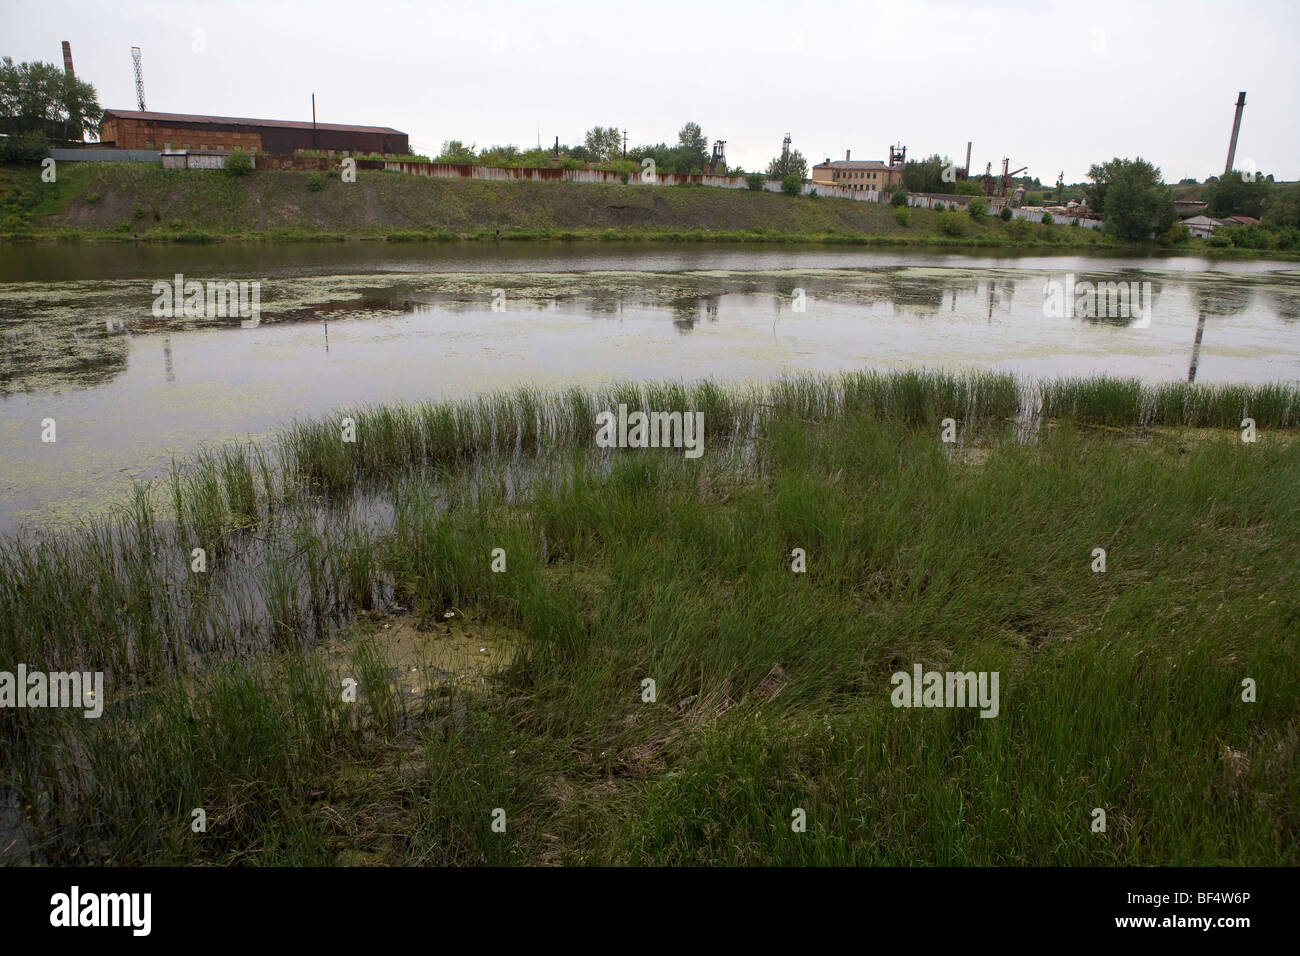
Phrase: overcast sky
[1054,85]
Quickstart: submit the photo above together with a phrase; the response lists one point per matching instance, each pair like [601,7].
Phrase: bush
[754,181]
[1005,214]
[315,183]
[1288,237]
[952,223]
[24,149]
[238,163]
[92,198]
[1022,229]
[899,198]
[939,207]
[1175,234]
[977,208]
[903,216]
[791,185]
[1219,242]
[1047,219]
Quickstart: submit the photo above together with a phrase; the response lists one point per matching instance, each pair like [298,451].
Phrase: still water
[350,323]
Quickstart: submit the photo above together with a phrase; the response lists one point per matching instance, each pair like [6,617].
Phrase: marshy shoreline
[583,572]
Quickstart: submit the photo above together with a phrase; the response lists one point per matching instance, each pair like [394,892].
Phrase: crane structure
[1002,181]
[139,79]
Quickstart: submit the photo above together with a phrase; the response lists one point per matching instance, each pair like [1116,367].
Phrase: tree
[1233,195]
[789,163]
[1283,207]
[454,151]
[605,143]
[1137,202]
[926,175]
[41,97]
[792,184]
[1095,192]
[694,147]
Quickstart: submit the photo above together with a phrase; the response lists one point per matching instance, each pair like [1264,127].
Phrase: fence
[106,155]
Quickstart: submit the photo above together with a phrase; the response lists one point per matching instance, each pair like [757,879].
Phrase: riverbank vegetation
[139,202]
[370,561]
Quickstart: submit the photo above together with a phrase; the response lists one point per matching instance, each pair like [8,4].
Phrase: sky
[1055,86]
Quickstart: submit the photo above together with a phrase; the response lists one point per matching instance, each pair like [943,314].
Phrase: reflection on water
[129,390]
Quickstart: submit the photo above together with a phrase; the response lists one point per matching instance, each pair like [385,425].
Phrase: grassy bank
[96,201]
[1120,690]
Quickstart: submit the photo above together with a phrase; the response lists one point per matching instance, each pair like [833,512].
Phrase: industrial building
[134,129]
[858,174]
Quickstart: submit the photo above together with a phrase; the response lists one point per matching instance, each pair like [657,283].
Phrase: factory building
[133,129]
[858,174]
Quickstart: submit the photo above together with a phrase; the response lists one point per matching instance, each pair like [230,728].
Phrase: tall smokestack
[74,129]
[1236,128]
[968,158]
[846,155]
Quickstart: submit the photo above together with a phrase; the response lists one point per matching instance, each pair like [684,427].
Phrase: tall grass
[1120,690]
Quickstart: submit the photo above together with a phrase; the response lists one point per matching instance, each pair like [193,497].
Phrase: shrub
[238,163]
[1175,234]
[315,183]
[754,181]
[1022,229]
[1219,242]
[952,223]
[939,207]
[899,198]
[1005,214]
[1047,219]
[977,208]
[92,198]
[24,149]
[903,216]
[791,185]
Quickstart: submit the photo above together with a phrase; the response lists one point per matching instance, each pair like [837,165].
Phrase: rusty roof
[242,121]
[853,164]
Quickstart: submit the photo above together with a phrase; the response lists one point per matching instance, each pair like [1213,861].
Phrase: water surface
[351,323]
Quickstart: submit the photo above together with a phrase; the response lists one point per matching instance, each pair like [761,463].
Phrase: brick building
[859,174]
[130,129]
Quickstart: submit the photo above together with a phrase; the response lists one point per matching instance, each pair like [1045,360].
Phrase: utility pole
[625,144]
[313,121]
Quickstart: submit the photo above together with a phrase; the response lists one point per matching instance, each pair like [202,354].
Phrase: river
[347,323]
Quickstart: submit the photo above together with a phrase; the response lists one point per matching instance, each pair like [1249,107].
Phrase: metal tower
[139,79]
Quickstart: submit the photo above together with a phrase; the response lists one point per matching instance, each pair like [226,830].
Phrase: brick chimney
[846,155]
